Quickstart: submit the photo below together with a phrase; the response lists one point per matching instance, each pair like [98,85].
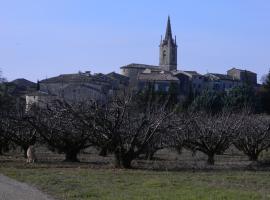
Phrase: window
[173,57]
[216,86]
[156,87]
[164,53]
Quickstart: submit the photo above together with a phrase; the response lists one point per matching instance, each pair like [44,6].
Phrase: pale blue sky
[44,38]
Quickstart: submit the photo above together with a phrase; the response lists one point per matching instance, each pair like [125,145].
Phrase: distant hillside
[21,82]
[20,87]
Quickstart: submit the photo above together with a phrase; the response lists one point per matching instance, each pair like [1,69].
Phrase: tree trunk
[103,152]
[123,160]
[71,157]
[211,159]
[25,148]
[1,150]
[253,157]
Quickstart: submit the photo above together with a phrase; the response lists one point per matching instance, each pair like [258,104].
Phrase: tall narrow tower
[168,50]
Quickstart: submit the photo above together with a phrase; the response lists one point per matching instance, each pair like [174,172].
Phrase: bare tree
[209,134]
[128,130]
[5,142]
[66,128]
[179,130]
[19,130]
[6,103]
[163,139]
[253,136]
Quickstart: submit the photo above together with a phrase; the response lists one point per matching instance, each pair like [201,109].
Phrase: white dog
[31,156]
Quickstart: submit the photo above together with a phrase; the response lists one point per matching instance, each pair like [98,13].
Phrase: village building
[166,74]
[78,87]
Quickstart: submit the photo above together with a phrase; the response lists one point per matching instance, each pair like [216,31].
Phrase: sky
[44,38]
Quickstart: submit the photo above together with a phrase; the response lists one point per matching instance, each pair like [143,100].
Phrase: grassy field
[178,179]
[76,183]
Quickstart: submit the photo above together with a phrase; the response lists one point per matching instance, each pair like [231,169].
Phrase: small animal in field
[31,156]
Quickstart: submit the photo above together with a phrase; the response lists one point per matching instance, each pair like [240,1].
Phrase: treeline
[130,128]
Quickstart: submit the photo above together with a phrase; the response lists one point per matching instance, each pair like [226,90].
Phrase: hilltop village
[84,85]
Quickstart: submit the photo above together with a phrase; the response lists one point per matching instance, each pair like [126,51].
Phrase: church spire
[168,50]
[168,34]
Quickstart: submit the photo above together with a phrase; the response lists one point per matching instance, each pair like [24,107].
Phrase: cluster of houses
[187,81]
[84,85]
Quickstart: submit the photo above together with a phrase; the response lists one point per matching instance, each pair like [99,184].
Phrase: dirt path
[14,190]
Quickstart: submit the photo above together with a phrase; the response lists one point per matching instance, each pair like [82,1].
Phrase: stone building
[161,80]
[244,76]
[221,82]
[77,87]
[190,81]
[133,70]
[167,72]
[39,98]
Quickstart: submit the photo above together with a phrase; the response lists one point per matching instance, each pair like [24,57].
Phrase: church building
[162,76]
[166,74]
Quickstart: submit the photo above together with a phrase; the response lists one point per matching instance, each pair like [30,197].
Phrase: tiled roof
[242,70]
[157,76]
[220,76]
[140,66]
[116,76]
[193,73]
[79,77]
[189,73]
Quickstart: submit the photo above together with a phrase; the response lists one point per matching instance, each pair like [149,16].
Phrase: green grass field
[109,184]
[179,177]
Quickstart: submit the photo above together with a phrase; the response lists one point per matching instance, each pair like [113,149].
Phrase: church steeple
[168,50]
[168,34]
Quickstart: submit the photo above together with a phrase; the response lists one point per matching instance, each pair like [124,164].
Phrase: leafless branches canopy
[130,128]
[209,134]
[253,136]
[66,128]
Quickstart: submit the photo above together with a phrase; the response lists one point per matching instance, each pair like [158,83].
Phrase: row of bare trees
[214,134]
[128,129]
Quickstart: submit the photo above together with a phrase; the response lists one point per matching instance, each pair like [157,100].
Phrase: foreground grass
[76,183]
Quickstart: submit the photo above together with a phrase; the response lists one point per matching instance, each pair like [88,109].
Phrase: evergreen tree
[266,83]
[241,97]
[264,94]
[209,101]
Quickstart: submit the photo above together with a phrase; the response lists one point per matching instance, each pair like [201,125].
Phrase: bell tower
[168,50]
